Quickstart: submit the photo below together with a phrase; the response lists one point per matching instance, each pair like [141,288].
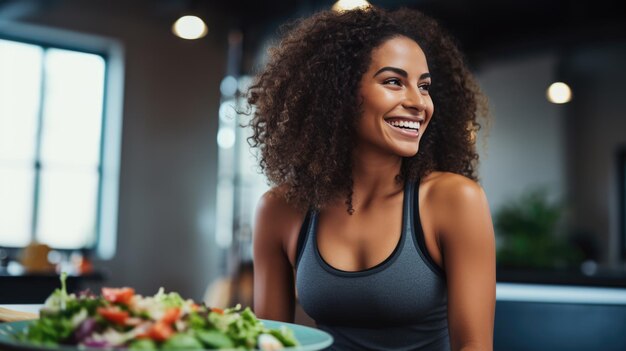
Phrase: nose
[413,99]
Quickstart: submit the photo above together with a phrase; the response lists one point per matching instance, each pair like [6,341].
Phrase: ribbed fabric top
[400,304]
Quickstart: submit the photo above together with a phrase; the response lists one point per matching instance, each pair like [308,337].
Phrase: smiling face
[396,103]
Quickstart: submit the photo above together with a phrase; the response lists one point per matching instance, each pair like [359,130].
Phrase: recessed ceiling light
[559,93]
[190,27]
[346,5]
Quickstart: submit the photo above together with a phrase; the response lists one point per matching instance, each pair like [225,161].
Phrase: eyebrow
[399,71]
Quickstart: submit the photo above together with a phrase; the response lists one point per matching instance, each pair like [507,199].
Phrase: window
[51,145]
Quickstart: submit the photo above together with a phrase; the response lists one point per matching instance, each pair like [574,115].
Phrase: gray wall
[571,148]
[525,137]
[169,153]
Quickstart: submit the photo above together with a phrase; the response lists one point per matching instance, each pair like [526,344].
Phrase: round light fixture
[346,5]
[190,27]
[559,93]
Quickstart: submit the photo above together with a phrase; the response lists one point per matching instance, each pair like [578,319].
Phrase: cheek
[431,104]
[378,102]
[430,110]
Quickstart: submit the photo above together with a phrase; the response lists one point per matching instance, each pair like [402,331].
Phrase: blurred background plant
[530,234]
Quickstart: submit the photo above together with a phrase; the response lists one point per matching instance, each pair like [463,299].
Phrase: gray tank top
[400,304]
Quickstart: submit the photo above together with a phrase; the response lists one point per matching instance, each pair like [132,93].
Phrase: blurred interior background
[122,160]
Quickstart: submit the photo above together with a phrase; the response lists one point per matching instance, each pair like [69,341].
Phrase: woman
[375,219]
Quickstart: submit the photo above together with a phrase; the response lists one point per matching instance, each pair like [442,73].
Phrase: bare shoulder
[272,200]
[464,226]
[451,189]
[459,205]
[273,204]
[276,221]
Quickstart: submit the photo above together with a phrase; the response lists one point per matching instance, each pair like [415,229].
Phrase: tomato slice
[113,314]
[160,331]
[217,310]
[118,295]
[171,315]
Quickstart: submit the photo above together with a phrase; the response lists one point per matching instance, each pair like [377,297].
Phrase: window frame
[621,178]
[112,52]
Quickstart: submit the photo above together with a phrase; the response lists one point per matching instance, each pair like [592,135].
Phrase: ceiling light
[190,27]
[559,93]
[346,5]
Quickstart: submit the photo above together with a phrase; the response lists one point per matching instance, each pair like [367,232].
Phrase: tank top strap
[408,224]
[417,231]
[303,235]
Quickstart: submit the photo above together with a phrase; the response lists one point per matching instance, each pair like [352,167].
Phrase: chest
[362,240]
[369,270]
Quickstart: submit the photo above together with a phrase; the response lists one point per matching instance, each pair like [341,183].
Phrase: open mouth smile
[405,126]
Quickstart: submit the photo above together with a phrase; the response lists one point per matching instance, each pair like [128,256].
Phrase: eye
[393,81]
[425,87]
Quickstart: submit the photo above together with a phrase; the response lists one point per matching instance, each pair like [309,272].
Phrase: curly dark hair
[307,104]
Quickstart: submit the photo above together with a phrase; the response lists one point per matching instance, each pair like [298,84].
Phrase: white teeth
[406,124]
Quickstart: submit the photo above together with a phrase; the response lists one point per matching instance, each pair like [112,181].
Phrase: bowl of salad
[120,319]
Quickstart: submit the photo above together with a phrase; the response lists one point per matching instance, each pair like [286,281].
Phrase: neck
[374,176]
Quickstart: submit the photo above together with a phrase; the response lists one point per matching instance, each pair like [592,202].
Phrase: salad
[121,319]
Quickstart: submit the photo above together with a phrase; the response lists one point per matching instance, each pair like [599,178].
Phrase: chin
[407,149]
[407,152]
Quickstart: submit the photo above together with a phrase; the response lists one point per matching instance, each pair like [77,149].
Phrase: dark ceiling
[483,27]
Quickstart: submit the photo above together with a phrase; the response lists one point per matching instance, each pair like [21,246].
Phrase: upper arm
[468,246]
[273,275]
